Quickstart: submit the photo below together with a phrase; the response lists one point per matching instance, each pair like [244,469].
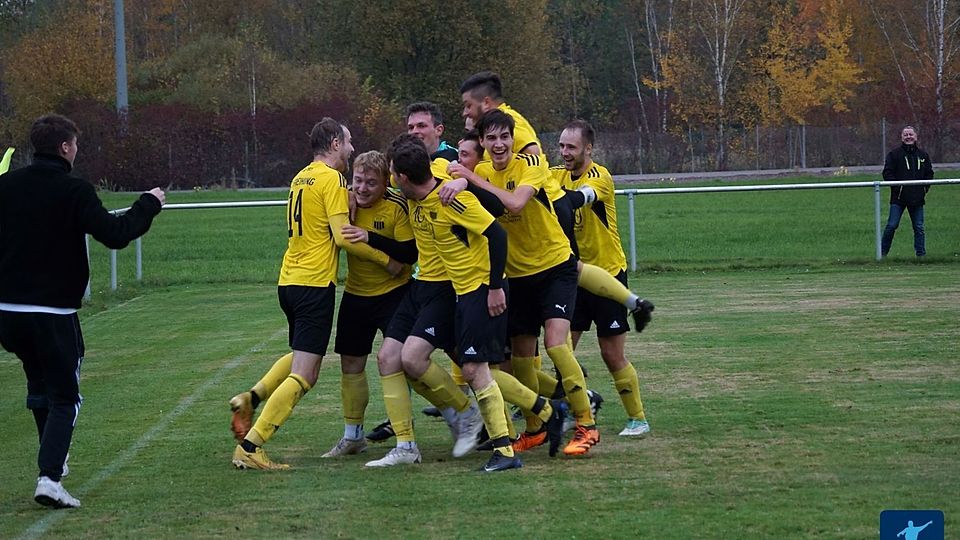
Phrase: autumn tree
[41,72]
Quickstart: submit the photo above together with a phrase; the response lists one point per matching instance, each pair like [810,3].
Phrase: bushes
[181,147]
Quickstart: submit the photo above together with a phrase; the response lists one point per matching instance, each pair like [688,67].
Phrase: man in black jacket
[907,162]
[44,215]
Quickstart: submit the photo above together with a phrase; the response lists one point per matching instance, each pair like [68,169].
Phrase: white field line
[41,526]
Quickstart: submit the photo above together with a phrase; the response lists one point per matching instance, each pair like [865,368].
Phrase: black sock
[254,399]
[248,446]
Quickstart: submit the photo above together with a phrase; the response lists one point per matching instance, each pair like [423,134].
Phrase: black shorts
[359,318]
[426,311]
[309,312]
[550,294]
[480,337]
[610,316]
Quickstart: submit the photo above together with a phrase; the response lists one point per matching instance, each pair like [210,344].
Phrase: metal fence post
[633,235]
[876,216]
[113,269]
[139,258]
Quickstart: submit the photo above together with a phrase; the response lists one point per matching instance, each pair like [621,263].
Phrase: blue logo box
[911,525]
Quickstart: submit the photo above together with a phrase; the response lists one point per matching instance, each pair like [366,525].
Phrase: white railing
[631,195]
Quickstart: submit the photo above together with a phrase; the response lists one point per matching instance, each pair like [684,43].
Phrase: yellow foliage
[64,60]
[836,73]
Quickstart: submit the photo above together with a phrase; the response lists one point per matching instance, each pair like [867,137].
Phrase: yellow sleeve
[359,249]
[5,163]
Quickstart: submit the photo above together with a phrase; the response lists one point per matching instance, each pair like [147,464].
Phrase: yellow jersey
[536,241]
[388,218]
[312,257]
[595,227]
[457,231]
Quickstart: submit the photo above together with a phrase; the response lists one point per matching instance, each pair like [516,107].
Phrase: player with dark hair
[45,214]
[473,250]
[541,266]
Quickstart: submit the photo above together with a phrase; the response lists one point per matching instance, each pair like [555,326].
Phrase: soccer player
[483,92]
[422,323]
[316,213]
[45,214]
[592,193]
[473,250]
[371,294]
[425,121]
[541,266]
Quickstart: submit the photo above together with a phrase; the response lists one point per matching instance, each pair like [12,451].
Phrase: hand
[158,193]
[496,302]
[451,189]
[395,268]
[355,234]
[351,207]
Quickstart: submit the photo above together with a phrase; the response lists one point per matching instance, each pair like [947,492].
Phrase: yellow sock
[524,370]
[278,408]
[457,374]
[445,390]
[354,395]
[628,386]
[508,418]
[548,384]
[537,362]
[490,401]
[396,398]
[507,415]
[574,384]
[601,283]
[266,386]
[514,392]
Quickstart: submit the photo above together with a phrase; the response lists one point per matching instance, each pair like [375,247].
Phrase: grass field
[795,389]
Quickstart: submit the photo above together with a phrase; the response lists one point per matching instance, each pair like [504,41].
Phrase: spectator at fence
[44,214]
[907,162]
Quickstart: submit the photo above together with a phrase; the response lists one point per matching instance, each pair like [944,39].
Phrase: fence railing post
[876,217]
[633,235]
[139,248]
[113,269]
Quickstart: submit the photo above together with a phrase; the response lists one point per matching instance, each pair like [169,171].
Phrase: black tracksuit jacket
[44,214]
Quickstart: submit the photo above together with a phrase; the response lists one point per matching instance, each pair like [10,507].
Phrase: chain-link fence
[757,148]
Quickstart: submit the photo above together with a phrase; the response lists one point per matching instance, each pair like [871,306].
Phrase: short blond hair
[373,161]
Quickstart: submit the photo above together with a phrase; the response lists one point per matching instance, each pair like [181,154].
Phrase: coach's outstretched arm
[116,232]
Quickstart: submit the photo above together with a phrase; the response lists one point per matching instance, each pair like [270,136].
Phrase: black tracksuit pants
[51,349]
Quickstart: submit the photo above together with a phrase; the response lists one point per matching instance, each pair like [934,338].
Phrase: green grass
[791,396]
[784,404]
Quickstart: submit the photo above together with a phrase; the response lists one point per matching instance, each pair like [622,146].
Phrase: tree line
[222,91]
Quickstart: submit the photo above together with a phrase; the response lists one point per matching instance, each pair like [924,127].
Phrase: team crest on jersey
[379,225]
[433,215]
[511,185]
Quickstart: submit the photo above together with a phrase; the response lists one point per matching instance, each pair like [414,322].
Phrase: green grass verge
[677,232]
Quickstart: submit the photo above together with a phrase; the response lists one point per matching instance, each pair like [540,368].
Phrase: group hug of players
[477,249]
